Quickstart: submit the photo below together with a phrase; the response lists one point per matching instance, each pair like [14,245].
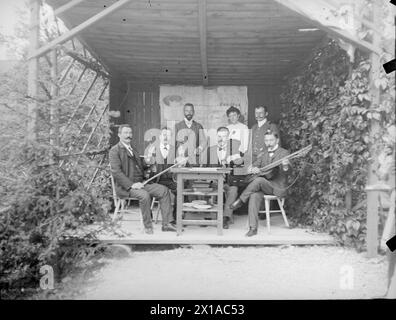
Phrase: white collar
[188,122]
[273,150]
[260,123]
[127,146]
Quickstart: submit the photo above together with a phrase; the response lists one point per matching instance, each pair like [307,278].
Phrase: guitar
[266,169]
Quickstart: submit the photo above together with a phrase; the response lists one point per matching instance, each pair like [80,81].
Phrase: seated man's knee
[257,196]
[163,190]
[144,197]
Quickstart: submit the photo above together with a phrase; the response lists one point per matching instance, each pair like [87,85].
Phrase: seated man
[161,155]
[128,169]
[225,153]
[274,182]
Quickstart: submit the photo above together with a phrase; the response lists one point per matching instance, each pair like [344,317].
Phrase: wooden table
[195,173]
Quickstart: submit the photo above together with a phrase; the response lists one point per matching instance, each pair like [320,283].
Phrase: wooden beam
[203,41]
[300,7]
[34,35]
[73,32]
[67,6]
[85,62]
[372,197]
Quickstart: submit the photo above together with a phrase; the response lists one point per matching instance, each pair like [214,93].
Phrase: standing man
[238,130]
[257,145]
[274,182]
[127,169]
[225,154]
[190,135]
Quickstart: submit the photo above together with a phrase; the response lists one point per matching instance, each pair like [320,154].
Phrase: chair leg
[117,208]
[267,214]
[281,202]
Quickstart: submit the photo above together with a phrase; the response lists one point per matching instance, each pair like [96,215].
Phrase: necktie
[130,150]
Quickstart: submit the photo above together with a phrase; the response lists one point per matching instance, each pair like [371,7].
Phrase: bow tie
[221,149]
[165,147]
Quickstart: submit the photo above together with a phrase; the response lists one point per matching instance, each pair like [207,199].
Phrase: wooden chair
[268,211]
[121,203]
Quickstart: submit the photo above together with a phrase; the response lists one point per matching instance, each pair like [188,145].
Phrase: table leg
[179,203]
[220,188]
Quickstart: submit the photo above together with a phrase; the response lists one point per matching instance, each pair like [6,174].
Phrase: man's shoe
[236,204]
[148,230]
[169,227]
[226,222]
[251,232]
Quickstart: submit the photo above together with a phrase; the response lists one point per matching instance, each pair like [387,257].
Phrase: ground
[204,272]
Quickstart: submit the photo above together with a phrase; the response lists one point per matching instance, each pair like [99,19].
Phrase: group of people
[235,146]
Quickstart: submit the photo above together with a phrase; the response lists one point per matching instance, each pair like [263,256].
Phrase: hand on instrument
[253,170]
[149,160]
[181,161]
[285,164]
[238,161]
[198,150]
[137,185]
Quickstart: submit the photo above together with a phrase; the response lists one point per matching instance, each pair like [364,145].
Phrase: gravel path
[201,272]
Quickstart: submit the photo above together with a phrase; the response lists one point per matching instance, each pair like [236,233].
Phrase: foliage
[48,215]
[330,101]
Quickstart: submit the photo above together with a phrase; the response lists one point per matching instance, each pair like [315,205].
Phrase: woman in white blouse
[238,130]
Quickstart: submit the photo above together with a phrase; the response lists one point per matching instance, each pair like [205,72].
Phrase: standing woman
[238,130]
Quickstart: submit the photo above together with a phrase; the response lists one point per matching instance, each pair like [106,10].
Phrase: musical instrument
[178,162]
[246,179]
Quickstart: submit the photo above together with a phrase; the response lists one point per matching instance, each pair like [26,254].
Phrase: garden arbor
[132,46]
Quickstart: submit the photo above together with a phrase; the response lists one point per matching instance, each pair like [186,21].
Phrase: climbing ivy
[330,102]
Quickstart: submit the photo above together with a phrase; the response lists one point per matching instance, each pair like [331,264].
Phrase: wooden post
[203,42]
[34,35]
[54,111]
[372,240]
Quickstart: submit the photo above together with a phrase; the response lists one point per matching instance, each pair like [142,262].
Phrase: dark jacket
[162,164]
[196,131]
[125,168]
[279,178]
[232,150]
[256,140]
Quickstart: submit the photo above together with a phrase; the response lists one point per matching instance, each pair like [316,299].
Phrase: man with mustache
[161,154]
[226,154]
[128,171]
[257,145]
[273,183]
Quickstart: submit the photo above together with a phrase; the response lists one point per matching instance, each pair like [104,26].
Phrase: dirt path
[202,272]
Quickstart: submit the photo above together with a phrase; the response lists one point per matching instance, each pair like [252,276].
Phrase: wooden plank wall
[142,111]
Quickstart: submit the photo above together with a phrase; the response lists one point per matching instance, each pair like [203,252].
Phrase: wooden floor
[131,233]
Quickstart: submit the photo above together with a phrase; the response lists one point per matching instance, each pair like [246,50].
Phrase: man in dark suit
[190,136]
[274,182]
[257,132]
[224,154]
[128,171]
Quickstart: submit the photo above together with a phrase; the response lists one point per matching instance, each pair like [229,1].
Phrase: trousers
[145,195]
